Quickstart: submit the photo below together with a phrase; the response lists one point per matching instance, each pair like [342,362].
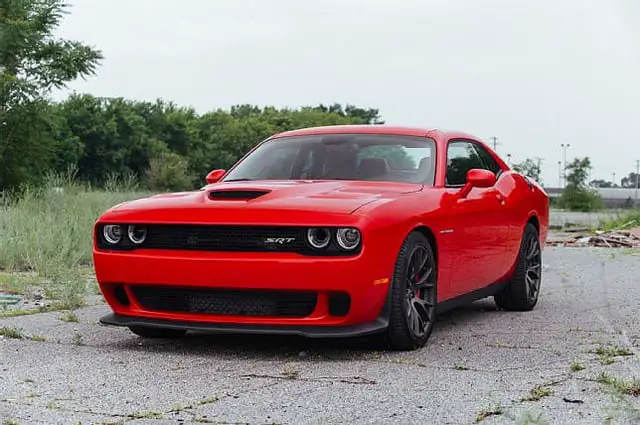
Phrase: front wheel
[413,295]
[521,293]
[151,332]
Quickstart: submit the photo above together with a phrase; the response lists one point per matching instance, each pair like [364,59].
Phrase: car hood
[240,201]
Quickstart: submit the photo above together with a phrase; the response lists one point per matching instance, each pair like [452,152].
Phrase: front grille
[226,302]
[225,238]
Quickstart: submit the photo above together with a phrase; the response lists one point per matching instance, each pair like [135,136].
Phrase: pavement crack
[359,380]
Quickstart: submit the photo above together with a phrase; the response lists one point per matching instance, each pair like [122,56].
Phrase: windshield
[371,157]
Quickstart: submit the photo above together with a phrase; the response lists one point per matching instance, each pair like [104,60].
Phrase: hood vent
[237,195]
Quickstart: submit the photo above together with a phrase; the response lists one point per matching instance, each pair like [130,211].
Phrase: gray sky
[533,73]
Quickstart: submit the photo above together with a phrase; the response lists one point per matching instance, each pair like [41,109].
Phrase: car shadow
[283,347]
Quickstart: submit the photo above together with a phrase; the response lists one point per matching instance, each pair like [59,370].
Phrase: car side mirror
[477,177]
[215,176]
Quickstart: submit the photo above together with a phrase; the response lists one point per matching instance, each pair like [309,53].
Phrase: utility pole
[614,179]
[560,174]
[637,178]
[564,147]
[495,143]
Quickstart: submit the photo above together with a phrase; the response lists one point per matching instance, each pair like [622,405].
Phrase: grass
[628,387]
[69,316]
[13,333]
[622,221]
[48,233]
[576,367]
[538,393]
[608,355]
[486,413]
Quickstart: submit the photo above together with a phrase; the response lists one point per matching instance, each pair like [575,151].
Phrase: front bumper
[364,278]
[349,331]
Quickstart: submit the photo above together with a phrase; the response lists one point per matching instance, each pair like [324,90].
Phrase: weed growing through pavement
[486,413]
[13,333]
[576,367]
[537,393]
[69,316]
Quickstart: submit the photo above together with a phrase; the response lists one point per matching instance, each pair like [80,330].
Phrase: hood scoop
[236,194]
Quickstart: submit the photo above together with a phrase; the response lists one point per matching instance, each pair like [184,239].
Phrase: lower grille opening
[120,295]
[339,304]
[259,303]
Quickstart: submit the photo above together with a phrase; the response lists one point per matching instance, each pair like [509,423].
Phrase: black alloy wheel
[523,290]
[413,295]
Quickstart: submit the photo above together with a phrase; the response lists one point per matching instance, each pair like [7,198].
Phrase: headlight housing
[319,237]
[112,234]
[333,240]
[348,238]
[121,236]
[137,233]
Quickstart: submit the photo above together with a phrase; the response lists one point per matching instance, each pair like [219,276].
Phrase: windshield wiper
[236,180]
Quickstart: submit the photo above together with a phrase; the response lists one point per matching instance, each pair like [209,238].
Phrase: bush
[168,172]
[580,199]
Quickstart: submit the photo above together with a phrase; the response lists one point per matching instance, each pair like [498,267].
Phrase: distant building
[611,197]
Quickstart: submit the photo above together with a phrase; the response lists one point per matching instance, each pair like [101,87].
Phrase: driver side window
[461,157]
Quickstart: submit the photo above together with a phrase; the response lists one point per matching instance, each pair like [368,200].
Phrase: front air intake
[236,194]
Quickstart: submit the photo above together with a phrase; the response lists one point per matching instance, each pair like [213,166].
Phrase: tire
[150,332]
[409,328]
[522,291]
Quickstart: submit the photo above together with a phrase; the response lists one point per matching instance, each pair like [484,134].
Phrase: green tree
[32,63]
[168,172]
[600,183]
[630,180]
[529,168]
[577,195]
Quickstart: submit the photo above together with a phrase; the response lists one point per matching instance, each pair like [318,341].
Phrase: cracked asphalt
[478,361]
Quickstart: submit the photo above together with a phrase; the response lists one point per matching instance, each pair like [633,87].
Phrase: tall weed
[49,230]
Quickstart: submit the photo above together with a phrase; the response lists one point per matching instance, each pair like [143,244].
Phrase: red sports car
[335,231]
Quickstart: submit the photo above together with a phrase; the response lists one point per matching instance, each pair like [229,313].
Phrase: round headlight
[112,233]
[348,238]
[137,233]
[318,237]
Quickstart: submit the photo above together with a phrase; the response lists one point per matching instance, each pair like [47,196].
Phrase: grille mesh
[226,302]
[225,238]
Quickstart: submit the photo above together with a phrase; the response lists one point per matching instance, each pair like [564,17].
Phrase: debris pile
[581,237]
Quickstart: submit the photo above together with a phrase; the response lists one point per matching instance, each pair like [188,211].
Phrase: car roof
[375,129]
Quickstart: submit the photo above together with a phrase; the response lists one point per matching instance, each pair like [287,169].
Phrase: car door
[477,222]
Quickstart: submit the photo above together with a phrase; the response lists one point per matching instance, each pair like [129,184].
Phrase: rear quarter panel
[527,199]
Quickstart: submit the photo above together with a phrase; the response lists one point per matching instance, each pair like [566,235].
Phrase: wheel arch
[428,233]
[533,219]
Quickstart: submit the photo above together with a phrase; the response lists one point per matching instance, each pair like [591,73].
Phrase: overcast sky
[535,74]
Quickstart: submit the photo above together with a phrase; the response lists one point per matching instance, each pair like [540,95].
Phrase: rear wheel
[521,293]
[150,332]
[413,295]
